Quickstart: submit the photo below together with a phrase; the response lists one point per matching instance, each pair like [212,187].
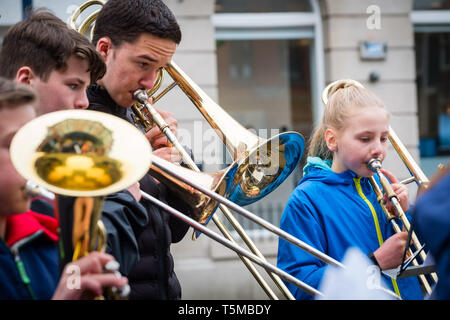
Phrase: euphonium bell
[80,153]
[86,155]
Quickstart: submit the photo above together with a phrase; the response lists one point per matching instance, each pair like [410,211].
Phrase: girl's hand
[400,190]
[390,254]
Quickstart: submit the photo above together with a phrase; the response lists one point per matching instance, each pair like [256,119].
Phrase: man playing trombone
[136,39]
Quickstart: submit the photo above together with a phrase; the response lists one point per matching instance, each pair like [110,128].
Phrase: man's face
[64,90]
[133,66]
[13,197]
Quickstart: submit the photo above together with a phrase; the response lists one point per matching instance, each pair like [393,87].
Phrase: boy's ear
[331,139]
[25,75]
[104,46]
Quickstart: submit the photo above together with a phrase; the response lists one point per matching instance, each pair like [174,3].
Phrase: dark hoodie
[153,276]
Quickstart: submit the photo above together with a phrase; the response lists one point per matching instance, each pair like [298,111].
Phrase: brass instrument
[82,154]
[262,165]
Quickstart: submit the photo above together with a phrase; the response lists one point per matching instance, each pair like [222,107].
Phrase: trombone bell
[262,164]
[266,167]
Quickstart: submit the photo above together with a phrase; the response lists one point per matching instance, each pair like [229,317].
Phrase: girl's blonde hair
[342,98]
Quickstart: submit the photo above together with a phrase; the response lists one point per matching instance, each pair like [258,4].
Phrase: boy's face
[364,137]
[64,89]
[133,66]
[13,198]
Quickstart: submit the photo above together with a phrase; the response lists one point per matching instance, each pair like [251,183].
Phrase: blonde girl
[334,207]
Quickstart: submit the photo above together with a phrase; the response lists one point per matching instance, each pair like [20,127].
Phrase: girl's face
[364,136]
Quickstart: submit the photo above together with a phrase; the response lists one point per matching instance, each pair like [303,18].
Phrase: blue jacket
[331,212]
[29,268]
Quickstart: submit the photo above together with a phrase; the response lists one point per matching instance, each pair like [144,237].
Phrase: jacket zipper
[19,264]
[160,247]
[376,222]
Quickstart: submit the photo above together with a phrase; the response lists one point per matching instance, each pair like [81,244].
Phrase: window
[433,81]
[431,4]
[432,45]
[235,6]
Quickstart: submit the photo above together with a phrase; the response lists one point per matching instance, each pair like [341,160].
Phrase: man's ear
[104,46]
[25,75]
[331,139]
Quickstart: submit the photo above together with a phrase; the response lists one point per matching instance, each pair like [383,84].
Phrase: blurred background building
[266,62]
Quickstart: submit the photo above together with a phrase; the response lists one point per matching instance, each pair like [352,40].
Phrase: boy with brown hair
[59,63]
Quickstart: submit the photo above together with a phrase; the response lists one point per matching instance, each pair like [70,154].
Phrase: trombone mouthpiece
[374,164]
[140,95]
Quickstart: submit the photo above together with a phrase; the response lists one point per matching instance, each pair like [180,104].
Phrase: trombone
[245,188]
[262,165]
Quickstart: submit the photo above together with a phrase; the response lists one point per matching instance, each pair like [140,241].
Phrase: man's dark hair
[125,20]
[44,43]
[14,95]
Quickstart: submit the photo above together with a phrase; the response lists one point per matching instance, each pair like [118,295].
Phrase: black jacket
[153,276]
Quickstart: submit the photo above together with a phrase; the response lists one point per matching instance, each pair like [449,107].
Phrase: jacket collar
[97,95]
[21,226]
[318,169]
